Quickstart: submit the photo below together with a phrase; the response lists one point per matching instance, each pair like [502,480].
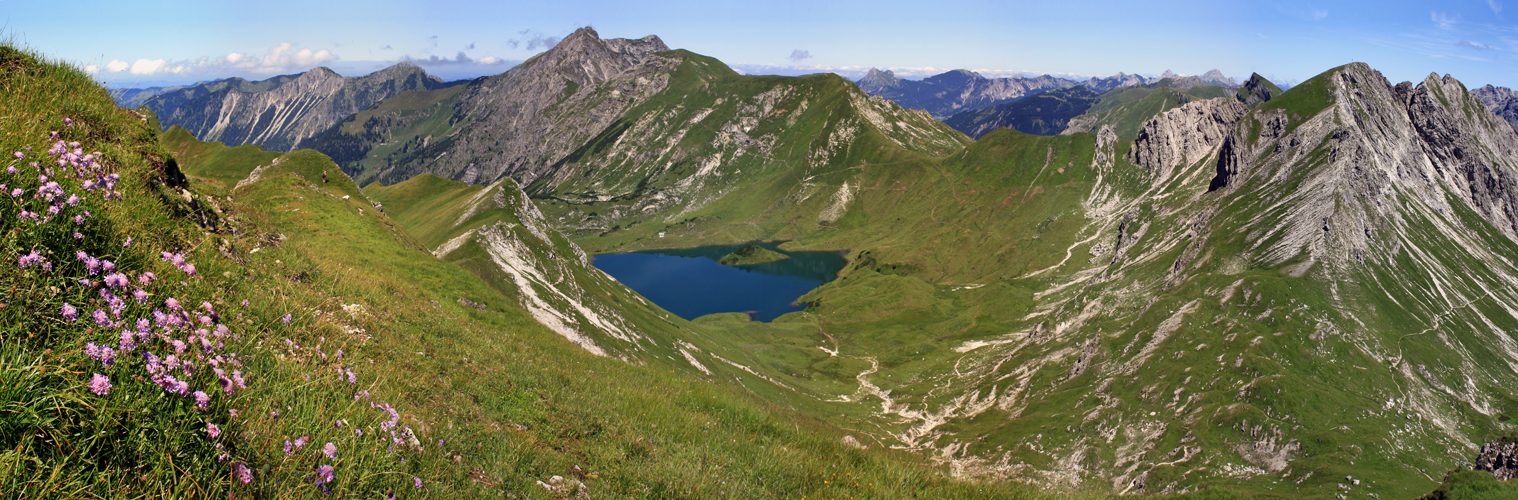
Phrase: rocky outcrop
[1116,81]
[280,114]
[1501,101]
[960,90]
[1184,135]
[1499,458]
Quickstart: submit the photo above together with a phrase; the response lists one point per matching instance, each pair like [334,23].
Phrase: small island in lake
[750,254]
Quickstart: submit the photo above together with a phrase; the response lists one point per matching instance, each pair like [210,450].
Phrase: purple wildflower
[213,430]
[117,280]
[141,296]
[202,400]
[16,193]
[287,319]
[418,482]
[20,155]
[242,473]
[172,304]
[70,312]
[300,442]
[100,384]
[324,474]
[287,447]
[330,450]
[146,278]
[101,318]
[33,259]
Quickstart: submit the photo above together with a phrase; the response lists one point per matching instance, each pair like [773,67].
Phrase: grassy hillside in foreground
[512,402]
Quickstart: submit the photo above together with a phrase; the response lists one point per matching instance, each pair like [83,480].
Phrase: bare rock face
[279,118]
[1184,135]
[1500,458]
[528,118]
[1501,101]
[1375,140]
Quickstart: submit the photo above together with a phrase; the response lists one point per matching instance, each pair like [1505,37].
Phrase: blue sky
[175,42]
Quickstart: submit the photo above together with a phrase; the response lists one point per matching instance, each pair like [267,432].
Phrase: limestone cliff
[1184,135]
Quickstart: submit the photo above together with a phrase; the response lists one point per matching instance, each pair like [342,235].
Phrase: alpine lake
[690,283]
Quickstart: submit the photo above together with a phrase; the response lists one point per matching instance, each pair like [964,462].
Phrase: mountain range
[281,112]
[1183,287]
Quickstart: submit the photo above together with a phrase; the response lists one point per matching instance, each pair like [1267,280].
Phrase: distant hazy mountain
[132,98]
[1502,101]
[946,94]
[1084,109]
[280,112]
[1043,114]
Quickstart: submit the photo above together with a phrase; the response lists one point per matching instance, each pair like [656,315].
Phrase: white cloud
[151,67]
[460,59]
[92,69]
[1496,7]
[282,58]
[1443,20]
[798,55]
[278,57]
[1318,14]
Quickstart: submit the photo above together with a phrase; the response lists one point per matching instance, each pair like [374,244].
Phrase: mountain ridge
[282,112]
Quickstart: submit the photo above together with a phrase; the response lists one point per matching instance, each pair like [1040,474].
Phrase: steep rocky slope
[1502,101]
[947,94]
[281,112]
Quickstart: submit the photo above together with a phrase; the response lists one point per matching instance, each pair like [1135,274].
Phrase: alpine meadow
[316,285]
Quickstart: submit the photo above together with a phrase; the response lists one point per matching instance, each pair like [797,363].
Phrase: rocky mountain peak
[1168,74]
[876,81]
[1501,101]
[1216,77]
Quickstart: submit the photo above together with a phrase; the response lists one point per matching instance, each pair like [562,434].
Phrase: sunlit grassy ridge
[346,311]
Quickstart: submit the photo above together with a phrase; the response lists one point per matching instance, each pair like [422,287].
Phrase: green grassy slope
[1039,308]
[394,130]
[343,313]
[522,403]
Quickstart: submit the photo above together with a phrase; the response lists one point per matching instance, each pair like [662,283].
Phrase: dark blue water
[690,283]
